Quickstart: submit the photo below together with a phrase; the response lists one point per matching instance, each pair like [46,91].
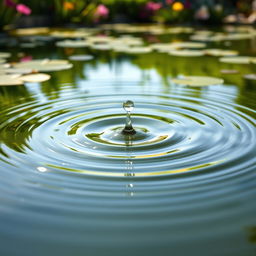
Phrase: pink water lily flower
[23,9]
[152,6]
[102,11]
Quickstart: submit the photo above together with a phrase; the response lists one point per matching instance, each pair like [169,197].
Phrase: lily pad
[45,65]
[81,57]
[192,45]
[236,60]
[120,48]
[35,78]
[198,81]
[250,76]
[70,34]
[30,31]
[220,52]
[73,43]
[229,71]
[180,30]
[100,39]
[138,50]
[101,47]
[5,55]
[163,47]
[129,41]
[7,80]
[187,53]
[20,71]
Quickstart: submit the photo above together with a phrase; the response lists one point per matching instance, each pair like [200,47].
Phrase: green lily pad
[192,45]
[186,53]
[133,41]
[180,30]
[220,52]
[81,57]
[236,60]
[229,71]
[73,43]
[138,50]
[120,48]
[163,47]
[35,78]
[101,47]
[70,34]
[5,55]
[250,76]
[21,71]
[30,31]
[198,81]
[45,65]
[8,80]
[100,39]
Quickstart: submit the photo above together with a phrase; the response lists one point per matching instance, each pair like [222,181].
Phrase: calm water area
[71,183]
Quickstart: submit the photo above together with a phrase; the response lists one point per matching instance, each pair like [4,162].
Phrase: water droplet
[128,106]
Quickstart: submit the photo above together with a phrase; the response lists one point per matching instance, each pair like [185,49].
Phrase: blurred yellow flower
[177,6]
[68,6]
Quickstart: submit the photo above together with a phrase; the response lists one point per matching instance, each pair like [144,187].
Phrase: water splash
[128,107]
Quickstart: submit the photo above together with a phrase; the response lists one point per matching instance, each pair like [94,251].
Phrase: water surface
[71,184]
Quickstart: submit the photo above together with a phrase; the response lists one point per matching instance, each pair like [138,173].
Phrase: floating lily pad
[5,55]
[129,41]
[180,30]
[138,50]
[236,60]
[163,47]
[20,71]
[35,78]
[101,47]
[229,71]
[100,39]
[192,45]
[220,52]
[120,48]
[239,36]
[73,43]
[81,57]
[7,80]
[28,45]
[198,81]
[250,76]
[208,38]
[44,65]
[186,53]
[70,34]
[30,31]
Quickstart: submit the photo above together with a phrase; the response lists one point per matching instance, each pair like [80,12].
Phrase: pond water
[71,183]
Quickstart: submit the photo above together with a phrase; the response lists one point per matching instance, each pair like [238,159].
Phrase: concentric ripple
[70,180]
[175,134]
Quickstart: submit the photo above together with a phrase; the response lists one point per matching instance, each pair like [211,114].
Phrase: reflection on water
[71,183]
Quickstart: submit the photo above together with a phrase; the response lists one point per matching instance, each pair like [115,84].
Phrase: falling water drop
[128,107]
